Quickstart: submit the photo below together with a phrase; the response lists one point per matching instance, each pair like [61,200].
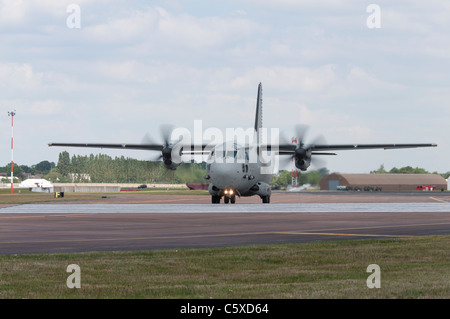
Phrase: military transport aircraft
[242,170]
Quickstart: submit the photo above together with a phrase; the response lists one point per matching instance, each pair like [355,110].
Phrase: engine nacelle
[171,165]
[302,158]
[168,160]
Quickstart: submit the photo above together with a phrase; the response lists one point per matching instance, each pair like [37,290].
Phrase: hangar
[385,182]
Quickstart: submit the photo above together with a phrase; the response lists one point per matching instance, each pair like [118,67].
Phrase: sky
[112,71]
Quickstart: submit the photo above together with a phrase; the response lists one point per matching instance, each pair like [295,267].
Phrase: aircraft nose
[224,175]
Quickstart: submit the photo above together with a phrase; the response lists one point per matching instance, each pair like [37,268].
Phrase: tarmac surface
[146,221]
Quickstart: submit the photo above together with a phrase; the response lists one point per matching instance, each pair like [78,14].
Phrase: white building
[37,185]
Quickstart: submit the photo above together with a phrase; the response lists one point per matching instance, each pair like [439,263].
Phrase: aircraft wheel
[233,199]
[266,199]
[226,199]
[215,199]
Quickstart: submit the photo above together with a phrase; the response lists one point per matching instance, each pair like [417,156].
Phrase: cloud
[133,65]
[14,76]
[156,29]
[45,108]
[12,12]
[288,78]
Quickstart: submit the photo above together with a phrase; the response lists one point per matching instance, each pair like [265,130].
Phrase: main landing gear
[215,199]
[266,199]
[226,199]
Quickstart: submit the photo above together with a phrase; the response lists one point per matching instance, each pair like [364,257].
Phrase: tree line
[312,177]
[407,170]
[101,168]
[22,171]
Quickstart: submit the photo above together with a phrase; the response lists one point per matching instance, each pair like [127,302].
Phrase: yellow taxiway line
[438,200]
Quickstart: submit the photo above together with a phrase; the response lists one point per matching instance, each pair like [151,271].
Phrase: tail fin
[258,118]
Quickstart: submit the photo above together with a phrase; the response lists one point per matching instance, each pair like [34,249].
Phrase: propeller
[165,145]
[148,140]
[303,153]
[166,133]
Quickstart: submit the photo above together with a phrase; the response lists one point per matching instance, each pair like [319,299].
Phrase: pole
[12,149]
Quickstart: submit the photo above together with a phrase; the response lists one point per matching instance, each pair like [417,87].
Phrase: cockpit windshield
[232,154]
[225,152]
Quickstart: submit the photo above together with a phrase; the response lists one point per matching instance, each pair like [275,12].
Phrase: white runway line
[225,208]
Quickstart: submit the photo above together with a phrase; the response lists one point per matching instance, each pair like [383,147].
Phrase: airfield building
[385,182]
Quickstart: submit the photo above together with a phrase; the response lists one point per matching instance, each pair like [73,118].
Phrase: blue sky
[133,65]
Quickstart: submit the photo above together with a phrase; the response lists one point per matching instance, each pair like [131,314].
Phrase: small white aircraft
[242,170]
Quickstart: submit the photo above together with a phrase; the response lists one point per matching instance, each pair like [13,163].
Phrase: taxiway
[175,222]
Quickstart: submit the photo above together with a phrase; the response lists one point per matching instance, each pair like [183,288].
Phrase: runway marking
[46,215]
[196,236]
[339,234]
[164,208]
[439,200]
[312,232]
[136,238]
[382,226]
[148,202]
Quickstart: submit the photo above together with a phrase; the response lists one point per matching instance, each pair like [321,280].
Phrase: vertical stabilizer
[258,118]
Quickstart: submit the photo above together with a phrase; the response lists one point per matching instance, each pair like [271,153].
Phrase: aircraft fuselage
[234,170]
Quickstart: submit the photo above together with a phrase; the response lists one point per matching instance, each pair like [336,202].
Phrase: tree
[283,179]
[311,177]
[64,163]
[381,170]
[17,169]
[402,170]
[54,176]
[44,167]
[408,170]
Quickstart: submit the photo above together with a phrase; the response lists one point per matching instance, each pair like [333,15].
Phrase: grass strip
[410,268]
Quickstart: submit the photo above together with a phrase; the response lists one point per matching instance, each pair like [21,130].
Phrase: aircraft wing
[339,147]
[187,149]
[286,149]
[151,147]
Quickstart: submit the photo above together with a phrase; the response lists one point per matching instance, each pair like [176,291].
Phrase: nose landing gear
[229,196]
[231,199]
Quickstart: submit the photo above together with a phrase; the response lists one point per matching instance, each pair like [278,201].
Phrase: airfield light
[12,149]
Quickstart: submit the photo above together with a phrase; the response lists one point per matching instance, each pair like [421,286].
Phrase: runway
[210,208]
[47,228]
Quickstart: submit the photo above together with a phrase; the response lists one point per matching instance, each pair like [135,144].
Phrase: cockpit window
[232,153]
[221,154]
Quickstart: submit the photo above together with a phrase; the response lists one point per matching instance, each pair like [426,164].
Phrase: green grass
[410,268]
[26,196]
[173,191]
